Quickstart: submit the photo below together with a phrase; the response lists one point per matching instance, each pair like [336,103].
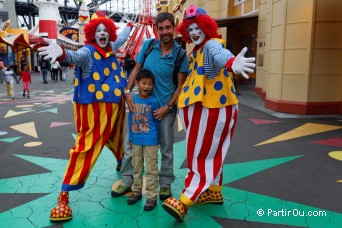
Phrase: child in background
[10,76]
[26,76]
[143,138]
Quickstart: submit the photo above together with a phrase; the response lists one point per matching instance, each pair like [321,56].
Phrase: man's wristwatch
[170,106]
[127,91]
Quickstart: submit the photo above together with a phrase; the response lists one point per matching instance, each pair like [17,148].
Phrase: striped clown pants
[208,135]
[97,124]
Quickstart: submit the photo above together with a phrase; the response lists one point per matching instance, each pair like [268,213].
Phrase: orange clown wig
[98,18]
[199,16]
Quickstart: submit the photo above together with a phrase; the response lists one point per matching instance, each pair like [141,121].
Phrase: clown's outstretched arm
[241,64]
[81,57]
[52,51]
[122,37]
[222,57]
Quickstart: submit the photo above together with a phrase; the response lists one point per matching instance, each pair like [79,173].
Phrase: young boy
[10,76]
[143,138]
[26,76]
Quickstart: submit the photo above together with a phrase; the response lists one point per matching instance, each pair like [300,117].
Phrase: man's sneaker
[164,193]
[134,198]
[210,197]
[175,208]
[150,204]
[120,191]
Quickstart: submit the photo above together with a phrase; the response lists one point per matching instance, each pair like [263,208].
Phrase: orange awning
[17,42]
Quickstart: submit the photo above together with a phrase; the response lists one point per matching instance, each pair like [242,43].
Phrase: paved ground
[281,171]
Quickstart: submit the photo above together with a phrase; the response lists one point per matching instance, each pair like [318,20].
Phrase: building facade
[297,45]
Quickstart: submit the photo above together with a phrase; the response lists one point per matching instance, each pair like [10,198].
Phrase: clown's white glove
[241,65]
[52,51]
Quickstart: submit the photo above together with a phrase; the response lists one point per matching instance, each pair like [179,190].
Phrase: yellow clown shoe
[62,212]
[175,208]
[210,197]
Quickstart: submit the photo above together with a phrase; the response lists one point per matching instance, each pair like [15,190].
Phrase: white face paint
[101,35]
[196,34]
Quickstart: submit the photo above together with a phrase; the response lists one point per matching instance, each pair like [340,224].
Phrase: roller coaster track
[27,9]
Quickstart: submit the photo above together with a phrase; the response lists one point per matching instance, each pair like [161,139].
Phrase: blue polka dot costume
[106,81]
[99,113]
[208,81]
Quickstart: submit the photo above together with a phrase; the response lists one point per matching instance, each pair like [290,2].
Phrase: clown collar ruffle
[104,53]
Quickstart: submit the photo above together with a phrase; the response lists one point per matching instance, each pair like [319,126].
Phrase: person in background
[99,106]
[65,69]
[55,70]
[10,77]
[23,63]
[44,66]
[143,139]
[26,76]
[208,109]
[38,64]
[128,64]
[2,67]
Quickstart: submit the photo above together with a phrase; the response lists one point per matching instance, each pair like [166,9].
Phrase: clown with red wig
[208,109]
[99,106]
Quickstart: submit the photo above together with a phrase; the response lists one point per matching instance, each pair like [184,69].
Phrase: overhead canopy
[17,42]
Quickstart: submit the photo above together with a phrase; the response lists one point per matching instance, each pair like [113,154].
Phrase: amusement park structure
[50,18]
[141,13]
[145,28]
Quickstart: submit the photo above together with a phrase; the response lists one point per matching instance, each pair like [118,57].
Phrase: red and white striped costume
[208,135]
[208,110]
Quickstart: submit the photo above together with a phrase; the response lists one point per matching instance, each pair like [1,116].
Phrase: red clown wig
[205,22]
[98,18]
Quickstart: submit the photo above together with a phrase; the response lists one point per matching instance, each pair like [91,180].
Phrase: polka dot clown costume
[208,109]
[99,107]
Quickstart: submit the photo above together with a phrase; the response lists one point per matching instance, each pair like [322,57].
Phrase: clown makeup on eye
[196,34]
[101,35]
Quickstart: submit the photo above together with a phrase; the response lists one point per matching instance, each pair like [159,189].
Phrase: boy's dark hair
[145,74]
[164,16]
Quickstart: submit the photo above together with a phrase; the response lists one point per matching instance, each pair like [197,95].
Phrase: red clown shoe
[175,208]
[62,212]
[210,197]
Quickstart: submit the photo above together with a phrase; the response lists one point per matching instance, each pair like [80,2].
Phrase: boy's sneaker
[134,198]
[120,191]
[164,193]
[150,204]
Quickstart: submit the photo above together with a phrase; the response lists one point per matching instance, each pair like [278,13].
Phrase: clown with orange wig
[99,107]
[208,109]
